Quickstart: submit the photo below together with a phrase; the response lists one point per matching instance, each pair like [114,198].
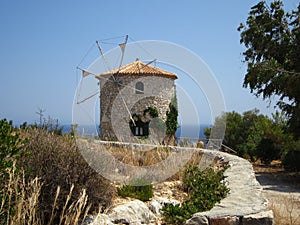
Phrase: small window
[139,88]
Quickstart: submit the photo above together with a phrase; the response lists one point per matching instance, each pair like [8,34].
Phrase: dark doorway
[139,128]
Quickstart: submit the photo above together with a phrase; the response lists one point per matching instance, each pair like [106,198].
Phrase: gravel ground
[282,189]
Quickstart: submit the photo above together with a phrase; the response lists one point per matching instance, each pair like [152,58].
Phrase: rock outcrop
[133,212]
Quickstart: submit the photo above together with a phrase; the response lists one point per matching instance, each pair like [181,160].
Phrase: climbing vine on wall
[140,126]
[153,112]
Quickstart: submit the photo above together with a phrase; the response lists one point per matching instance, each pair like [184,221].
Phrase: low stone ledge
[244,205]
[265,217]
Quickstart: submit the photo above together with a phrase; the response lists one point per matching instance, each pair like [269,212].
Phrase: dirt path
[283,192]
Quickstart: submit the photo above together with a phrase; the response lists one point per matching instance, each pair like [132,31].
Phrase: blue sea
[185,131]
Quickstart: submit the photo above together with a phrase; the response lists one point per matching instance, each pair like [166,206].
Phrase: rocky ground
[168,190]
[282,189]
[245,201]
[128,209]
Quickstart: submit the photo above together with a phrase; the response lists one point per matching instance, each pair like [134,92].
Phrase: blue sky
[42,42]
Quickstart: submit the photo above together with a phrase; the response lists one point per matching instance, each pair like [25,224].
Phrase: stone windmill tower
[132,97]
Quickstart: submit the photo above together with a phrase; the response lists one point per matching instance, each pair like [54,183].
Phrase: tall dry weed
[286,210]
[23,206]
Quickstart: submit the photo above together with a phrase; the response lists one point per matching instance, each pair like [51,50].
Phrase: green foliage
[267,151]
[73,131]
[234,130]
[172,114]
[254,135]
[11,144]
[150,114]
[291,158]
[176,214]
[205,189]
[139,189]
[272,39]
[153,112]
[207,132]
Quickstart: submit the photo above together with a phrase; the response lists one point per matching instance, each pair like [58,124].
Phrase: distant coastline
[186,131]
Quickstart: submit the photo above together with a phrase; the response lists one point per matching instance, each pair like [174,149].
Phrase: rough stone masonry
[244,205]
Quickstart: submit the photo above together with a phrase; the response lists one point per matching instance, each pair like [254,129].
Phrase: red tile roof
[139,68]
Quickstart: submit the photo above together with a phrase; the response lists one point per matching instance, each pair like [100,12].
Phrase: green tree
[255,136]
[272,40]
[234,133]
[171,122]
[172,114]
[291,157]
[252,132]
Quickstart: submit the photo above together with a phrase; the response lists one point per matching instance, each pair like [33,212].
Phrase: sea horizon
[185,131]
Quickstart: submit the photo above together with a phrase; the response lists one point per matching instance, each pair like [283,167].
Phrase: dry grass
[142,157]
[20,203]
[56,160]
[147,156]
[286,209]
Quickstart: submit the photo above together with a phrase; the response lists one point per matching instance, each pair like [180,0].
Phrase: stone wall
[117,100]
[244,205]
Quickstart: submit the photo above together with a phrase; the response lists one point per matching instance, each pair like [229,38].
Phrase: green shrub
[172,114]
[11,144]
[205,189]
[291,159]
[267,151]
[139,189]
